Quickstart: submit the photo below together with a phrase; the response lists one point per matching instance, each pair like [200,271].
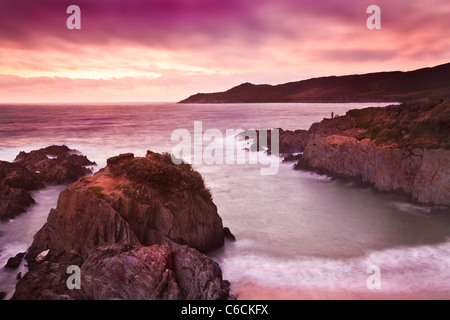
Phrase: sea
[298,234]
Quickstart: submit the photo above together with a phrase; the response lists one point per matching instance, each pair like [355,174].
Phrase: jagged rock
[14,262]
[288,141]
[47,280]
[128,227]
[55,164]
[15,183]
[31,171]
[228,234]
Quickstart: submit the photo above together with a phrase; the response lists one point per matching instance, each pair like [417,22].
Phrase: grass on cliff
[97,190]
[406,126]
[160,172]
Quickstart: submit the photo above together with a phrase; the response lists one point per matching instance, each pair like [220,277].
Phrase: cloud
[211,42]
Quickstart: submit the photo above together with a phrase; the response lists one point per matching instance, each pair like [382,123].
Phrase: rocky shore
[33,171]
[403,149]
[137,229]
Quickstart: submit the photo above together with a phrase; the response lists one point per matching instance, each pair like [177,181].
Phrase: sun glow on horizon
[166,53]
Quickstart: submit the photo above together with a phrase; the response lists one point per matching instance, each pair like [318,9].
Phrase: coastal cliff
[404,148]
[136,229]
[426,83]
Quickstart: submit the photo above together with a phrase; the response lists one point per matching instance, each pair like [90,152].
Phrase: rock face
[421,173]
[14,262]
[55,164]
[15,183]
[403,148]
[134,229]
[32,171]
[289,141]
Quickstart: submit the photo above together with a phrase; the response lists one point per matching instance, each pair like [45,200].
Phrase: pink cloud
[214,43]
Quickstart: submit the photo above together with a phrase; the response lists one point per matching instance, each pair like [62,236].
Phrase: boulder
[135,229]
[228,234]
[55,164]
[14,262]
[16,182]
[32,171]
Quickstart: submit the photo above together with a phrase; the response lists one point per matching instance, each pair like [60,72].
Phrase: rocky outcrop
[421,173]
[55,164]
[402,148]
[32,171]
[127,272]
[288,141]
[16,182]
[134,229]
[14,262]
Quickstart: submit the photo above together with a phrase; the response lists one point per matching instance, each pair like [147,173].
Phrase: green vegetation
[98,191]
[160,172]
[406,126]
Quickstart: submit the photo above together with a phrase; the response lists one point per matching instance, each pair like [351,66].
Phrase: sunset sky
[166,50]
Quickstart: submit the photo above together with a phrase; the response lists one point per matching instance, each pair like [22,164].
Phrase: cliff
[135,229]
[426,83]
[404,148]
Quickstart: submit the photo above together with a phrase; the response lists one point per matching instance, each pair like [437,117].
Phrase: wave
[402,270]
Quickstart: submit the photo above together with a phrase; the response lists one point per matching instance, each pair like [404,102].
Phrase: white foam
[314,176]
[403,269]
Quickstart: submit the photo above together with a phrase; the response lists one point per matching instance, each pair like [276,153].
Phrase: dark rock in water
[288,141]
[31,171]
[291,158]
[15,183]
[19,275]
[13,201]
[142,221]
[2,295]
[14,262]
[55,164]
[227,233]
[17,176]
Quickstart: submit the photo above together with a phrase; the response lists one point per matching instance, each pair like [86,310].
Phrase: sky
[167,50]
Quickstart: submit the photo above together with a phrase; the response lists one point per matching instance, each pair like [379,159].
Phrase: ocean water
[294,229]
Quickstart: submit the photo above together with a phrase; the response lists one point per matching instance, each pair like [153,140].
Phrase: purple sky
[165,50]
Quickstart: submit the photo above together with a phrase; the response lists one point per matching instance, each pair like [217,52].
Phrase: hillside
[421,84]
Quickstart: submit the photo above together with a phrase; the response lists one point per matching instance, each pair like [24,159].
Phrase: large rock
[16,182]
[56,164]
[32,171]
[288,141]
[422,174]
[133,227]
[136,200]
[123,271]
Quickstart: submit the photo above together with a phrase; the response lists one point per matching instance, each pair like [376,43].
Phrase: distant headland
[412,86]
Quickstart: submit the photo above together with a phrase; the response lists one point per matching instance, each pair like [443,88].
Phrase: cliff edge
[403,148]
